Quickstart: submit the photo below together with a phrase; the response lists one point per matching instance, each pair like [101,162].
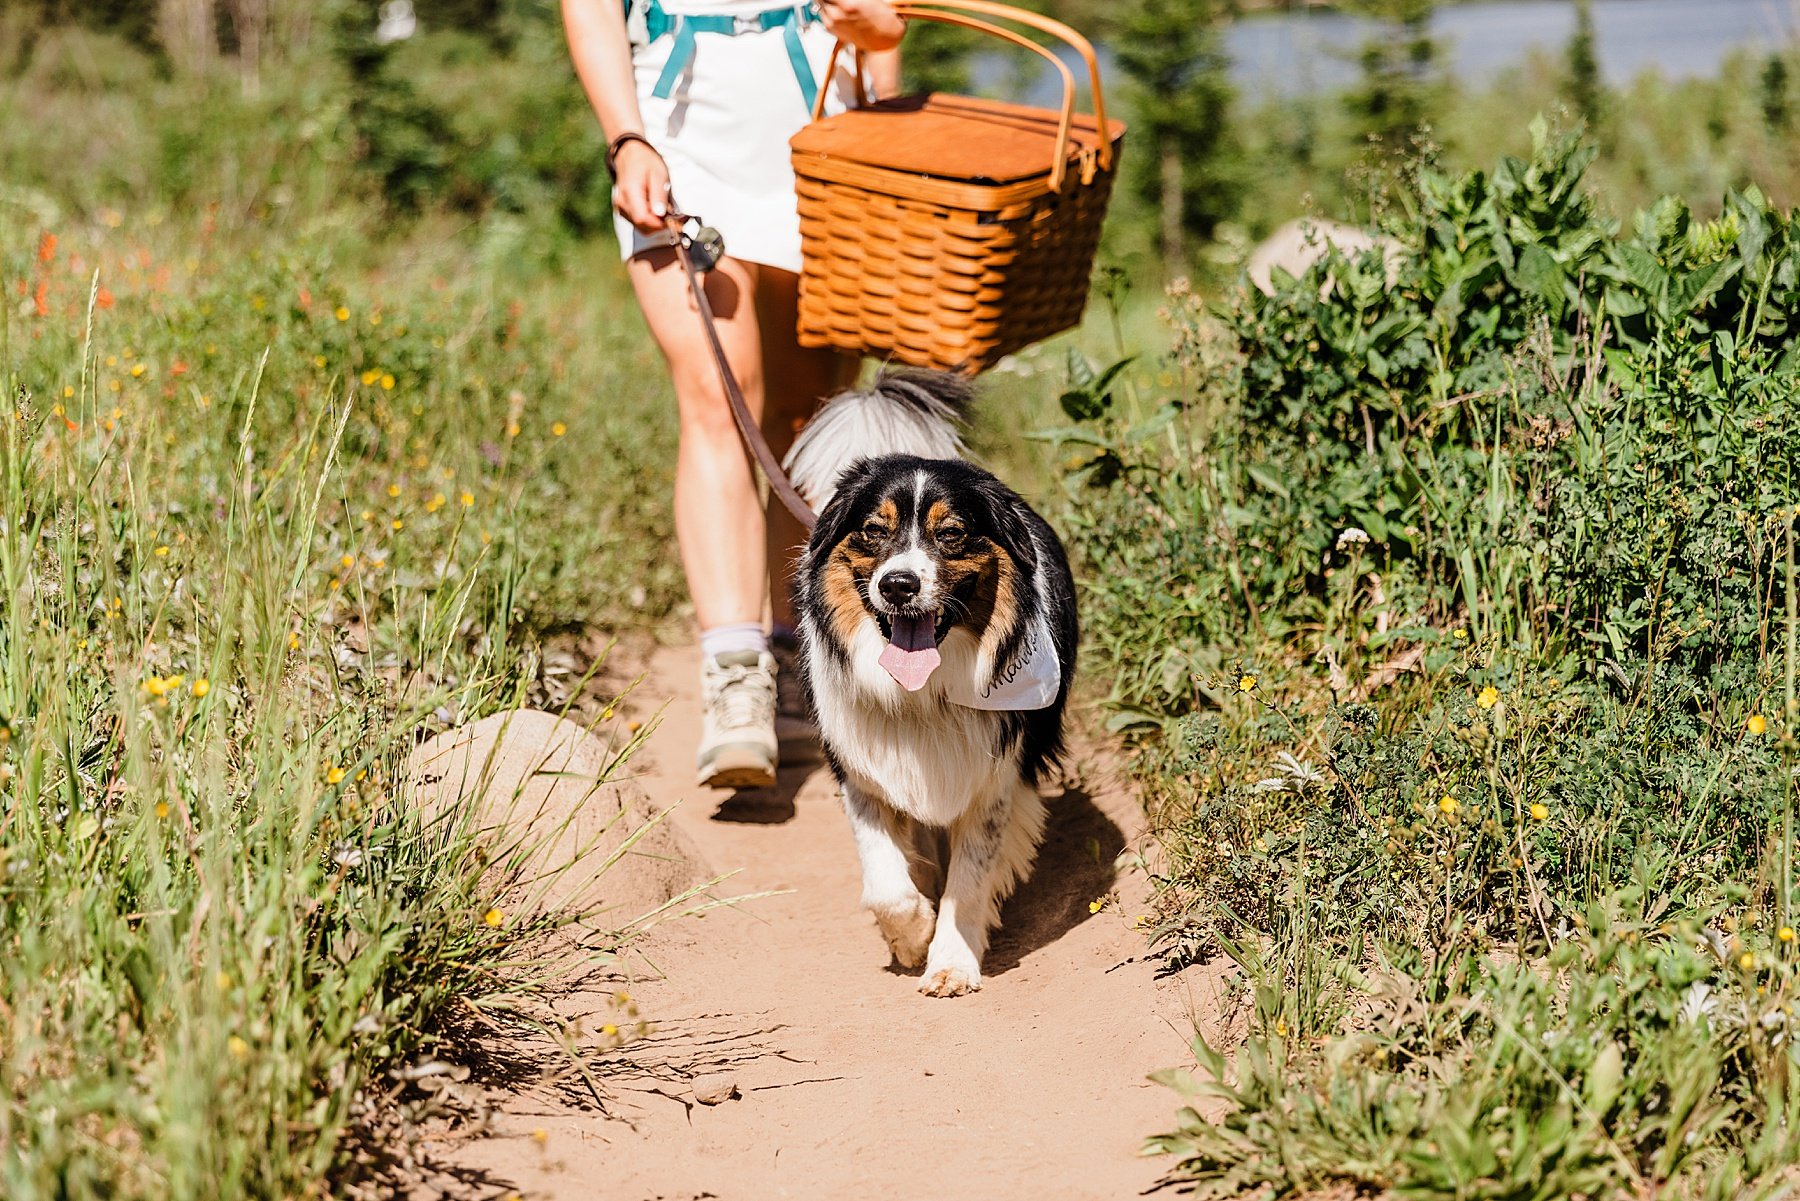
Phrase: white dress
[723,130]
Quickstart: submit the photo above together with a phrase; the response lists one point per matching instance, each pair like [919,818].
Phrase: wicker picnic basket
[946,231]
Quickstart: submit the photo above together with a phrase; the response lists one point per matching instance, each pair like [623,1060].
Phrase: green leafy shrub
[1629,1062]
[1449,600]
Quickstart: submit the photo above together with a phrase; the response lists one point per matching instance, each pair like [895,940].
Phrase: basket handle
[926,10]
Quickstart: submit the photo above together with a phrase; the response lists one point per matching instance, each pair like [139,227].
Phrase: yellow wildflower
[1447,805]
[610,1030]
[493,917]
[1488,697]
[162,808]
[162,552]
[393,489]
[156,686]
[1747,960]
[1786,934]
[1757,724]
[238,1047]
[559,429]
[1459,633]
[342,314]
[1247,684]
[335,776]
[1539,811]
[387,382]
[467,499]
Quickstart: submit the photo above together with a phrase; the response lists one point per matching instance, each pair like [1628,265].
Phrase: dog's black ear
[845,511]
[1006,517]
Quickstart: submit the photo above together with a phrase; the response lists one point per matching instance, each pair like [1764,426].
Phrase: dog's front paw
[950,982]
[951,973]
[908,926]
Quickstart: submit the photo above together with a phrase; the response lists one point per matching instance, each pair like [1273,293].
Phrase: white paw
[951,973]
[908,926]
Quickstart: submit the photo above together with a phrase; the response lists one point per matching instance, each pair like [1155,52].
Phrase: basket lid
[950,137]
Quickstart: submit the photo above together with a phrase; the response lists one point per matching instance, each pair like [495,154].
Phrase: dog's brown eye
[950,537]
[874,531]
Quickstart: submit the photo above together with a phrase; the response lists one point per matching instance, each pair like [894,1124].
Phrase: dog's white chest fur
[926,756]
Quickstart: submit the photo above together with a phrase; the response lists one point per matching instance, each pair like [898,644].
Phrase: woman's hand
[641,187]
[866,24]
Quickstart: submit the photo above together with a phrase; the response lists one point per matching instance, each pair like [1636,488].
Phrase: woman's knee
[703,410]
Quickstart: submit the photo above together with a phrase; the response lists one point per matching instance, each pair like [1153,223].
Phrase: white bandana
[1032,681]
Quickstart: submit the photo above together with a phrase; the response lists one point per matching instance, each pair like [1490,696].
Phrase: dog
[936,618]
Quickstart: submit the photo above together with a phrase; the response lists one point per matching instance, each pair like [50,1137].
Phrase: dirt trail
[850,1083]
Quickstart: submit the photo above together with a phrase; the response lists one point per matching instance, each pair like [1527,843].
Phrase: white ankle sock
[732,639]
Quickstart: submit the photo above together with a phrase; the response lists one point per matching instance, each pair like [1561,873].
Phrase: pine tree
[1392,100]
[1777,103]
[1184,155]
[1583,82]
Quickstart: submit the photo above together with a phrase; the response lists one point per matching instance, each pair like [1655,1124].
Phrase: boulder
[1301,243]
[540,792]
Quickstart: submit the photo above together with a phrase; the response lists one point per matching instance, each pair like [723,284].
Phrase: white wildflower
[1697,1002]
[1300,773]
[1352,537]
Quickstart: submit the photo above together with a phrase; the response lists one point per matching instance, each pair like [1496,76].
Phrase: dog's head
[921,548]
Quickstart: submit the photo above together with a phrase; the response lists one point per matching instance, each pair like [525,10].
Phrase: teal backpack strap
[686,26]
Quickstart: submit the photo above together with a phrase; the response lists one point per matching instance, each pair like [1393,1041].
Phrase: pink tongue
[911,655]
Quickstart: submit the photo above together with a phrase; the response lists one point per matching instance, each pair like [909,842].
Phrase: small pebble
[715,1090]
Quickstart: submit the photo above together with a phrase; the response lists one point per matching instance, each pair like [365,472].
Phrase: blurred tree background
[470,107]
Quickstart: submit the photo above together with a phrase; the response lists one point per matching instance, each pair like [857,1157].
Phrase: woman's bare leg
[718,513]
[718,508]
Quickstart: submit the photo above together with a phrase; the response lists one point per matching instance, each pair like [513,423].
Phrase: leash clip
[705,245]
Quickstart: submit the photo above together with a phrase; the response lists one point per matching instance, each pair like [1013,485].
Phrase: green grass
[285,490]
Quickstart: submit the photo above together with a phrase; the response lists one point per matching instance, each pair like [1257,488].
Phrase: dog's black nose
[899,587]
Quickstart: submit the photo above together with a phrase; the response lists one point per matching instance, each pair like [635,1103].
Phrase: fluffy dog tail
[903,413]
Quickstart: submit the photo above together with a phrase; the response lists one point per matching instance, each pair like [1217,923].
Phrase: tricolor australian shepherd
[937,620]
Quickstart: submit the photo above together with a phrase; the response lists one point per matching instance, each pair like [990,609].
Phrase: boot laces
[741,696]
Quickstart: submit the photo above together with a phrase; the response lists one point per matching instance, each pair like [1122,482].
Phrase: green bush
[1449,593]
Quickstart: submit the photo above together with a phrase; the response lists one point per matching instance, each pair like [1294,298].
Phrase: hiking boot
[737,739]
[796,729]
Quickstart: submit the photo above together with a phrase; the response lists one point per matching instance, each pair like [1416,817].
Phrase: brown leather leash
[708,245]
